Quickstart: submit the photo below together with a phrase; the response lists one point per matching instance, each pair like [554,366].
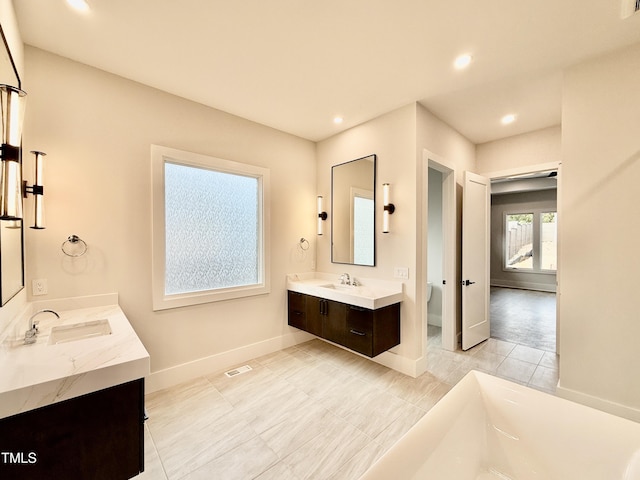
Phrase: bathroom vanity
[363,318]
[72,403]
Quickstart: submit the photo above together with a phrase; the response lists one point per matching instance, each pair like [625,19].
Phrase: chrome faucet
[30,335]
[345,279]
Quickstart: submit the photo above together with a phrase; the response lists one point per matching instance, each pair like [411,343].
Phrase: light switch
[401,272]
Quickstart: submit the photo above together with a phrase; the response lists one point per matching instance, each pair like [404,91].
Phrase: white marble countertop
[370,293]
[42,373]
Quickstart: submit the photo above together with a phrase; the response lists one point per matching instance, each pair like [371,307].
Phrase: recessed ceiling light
[462,61]
[338,120]
[79,5]
[507,119]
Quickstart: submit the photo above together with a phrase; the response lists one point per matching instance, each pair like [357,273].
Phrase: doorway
[438,259]
[524,262]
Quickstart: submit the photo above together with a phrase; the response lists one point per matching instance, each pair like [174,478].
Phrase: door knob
[466,283]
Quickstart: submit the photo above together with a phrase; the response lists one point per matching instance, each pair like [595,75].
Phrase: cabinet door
[297,310]
[334,325]
[386,328]
[314,311]
[98,436]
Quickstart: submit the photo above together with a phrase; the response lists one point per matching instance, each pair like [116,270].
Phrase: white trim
[541,287]
[598,403]
[449,225]
[159,156]
[540,167]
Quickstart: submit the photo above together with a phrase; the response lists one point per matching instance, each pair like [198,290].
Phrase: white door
[475,259]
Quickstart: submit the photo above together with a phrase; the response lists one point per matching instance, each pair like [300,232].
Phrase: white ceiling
[295,64]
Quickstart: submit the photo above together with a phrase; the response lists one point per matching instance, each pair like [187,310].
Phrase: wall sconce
[322,215]
[12,102]
[389,208]
[37,190]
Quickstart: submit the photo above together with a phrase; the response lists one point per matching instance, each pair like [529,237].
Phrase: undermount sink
[338,286]
[79,331]
[371,293]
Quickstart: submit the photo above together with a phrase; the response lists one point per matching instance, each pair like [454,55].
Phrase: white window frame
[159,156]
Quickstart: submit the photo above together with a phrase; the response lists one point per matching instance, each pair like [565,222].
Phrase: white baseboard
[541,287]
[599,403]
[412,368]
[223,361]
[434,319]
[220,362]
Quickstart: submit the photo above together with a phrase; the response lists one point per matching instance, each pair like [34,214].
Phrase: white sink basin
[337,286]
[79,331]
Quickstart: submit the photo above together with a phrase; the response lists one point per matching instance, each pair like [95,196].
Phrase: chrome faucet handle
[30,336]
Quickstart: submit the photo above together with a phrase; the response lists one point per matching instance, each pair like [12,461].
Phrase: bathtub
[487,428]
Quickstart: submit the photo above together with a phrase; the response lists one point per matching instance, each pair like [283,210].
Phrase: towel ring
[303,242]
[74,246]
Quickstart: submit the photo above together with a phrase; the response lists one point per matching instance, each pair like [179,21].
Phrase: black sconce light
[389,208]
[322,215]
[37,190]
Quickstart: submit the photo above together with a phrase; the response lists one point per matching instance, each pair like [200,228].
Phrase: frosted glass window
[210,229]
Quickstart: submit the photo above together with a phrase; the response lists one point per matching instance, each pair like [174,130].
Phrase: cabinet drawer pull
[357,309]
[355,332]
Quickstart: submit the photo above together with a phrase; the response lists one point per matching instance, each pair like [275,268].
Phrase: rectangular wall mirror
[353,193]
[11,254]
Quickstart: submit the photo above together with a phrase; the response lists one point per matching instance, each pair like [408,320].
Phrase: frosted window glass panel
[212,223]
[363,231]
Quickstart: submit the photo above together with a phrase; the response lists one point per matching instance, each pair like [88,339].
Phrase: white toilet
[429,288]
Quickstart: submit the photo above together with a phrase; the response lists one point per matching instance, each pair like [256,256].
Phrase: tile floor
[313,411]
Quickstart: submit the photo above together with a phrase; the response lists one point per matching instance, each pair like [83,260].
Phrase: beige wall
[520,151]
[600,224]
[458,153]
[97,129]
[398,138]
[391,137]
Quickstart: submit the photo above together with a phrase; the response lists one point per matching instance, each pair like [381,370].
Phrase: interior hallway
[312,411]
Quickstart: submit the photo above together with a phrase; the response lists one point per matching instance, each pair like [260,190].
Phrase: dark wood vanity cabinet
[95,436]
[365,331]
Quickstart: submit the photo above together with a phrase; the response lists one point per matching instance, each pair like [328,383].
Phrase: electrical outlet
[39,287]
[401,272]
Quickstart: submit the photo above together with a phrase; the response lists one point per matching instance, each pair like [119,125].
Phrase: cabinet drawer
[359,334]
[297,316]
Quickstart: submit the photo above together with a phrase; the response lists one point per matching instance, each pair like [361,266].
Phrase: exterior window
[530,241]
[209,234]
[549,241]
[519,241]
